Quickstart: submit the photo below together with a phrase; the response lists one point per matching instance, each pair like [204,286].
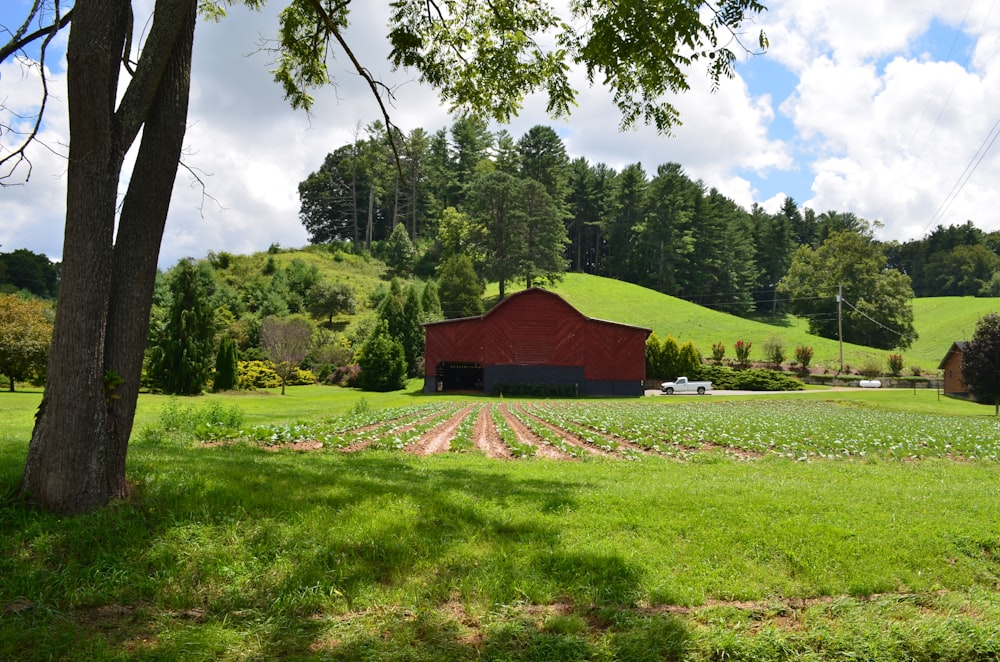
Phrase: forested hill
[523,210]
[648,224]
[288,280]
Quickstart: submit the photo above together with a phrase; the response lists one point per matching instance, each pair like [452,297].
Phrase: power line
[980,154]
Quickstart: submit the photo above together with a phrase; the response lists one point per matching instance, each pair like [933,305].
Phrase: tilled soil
[438,439]
[525,435]
[486,438]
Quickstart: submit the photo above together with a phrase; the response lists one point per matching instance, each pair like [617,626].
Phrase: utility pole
[840,323]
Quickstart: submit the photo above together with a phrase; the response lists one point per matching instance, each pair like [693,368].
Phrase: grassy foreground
[235,552]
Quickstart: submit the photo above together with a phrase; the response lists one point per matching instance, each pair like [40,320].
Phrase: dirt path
[486,438]
[362,444]
[438,439]
[566,435]
[525,435]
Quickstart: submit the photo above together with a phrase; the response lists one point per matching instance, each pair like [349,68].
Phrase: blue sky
[875,107]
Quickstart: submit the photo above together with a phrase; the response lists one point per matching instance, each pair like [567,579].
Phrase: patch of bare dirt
[525,435]
[305,445]
[486,438]
[438,439]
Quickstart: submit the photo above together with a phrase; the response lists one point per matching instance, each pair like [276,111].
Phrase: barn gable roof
[519,298]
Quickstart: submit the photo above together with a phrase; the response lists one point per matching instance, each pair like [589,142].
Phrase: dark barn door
[453,376]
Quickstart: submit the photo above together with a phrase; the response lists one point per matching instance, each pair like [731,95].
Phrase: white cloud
[874,125]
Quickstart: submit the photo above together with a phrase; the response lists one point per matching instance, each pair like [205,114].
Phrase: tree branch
[332,29]
[20,40]
[10,163]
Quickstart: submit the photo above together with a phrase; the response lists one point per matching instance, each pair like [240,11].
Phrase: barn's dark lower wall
[494,375]
[548,375]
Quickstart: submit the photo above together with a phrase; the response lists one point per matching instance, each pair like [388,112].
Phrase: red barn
[534,337]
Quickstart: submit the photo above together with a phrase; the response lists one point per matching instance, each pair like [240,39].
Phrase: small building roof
[957,347]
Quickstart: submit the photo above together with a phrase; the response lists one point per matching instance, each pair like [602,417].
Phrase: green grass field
[237,552]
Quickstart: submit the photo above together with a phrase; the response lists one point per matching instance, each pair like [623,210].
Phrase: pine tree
[226,370]
[182,358]
[430,303]
[412,334]
[461,291]
[382,361]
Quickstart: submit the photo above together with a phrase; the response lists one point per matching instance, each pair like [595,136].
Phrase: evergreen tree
[688,361]
[226,366]
[671,359]
[430,303]
[543,159]
[495,206]
[398,251]
[544,236]
[382,361]
[461,291]
[412,334]
[655,368]
[185,348]
[626,209]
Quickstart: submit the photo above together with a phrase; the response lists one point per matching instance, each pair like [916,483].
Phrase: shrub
[258,374]
[774,351]
[871,367]
[346,376]
[915,370]
[895,362]
[803,355]
[725,378]
[301,377]
[718,352]
[688,361]
[742,350]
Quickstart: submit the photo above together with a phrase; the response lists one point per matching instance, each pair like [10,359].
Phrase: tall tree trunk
[76,457]
[371,216]
[140,234]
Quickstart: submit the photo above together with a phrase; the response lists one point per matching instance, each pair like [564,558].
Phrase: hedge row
[755,379]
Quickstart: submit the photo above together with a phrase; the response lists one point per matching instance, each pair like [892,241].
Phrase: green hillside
[939,321]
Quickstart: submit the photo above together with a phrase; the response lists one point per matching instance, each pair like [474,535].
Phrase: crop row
[517,447]
[791,429]
[547,434]
[393,425]
[798,430]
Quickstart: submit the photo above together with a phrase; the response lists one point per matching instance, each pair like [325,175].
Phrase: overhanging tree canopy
[482,57]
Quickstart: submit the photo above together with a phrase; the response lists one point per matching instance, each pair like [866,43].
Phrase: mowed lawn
[239,552]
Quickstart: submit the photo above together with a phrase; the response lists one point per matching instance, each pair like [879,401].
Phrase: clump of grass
[180,422]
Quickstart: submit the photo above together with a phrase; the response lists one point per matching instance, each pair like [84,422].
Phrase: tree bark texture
[76,457]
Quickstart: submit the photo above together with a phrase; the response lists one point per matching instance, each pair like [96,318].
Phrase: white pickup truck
[682,385]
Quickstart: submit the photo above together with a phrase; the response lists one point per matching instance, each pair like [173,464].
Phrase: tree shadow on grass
[342,557]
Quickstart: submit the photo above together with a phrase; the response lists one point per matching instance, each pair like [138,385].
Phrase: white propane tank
[870,383]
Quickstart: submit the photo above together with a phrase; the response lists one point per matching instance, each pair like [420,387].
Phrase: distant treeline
[24,271]
[658,229]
